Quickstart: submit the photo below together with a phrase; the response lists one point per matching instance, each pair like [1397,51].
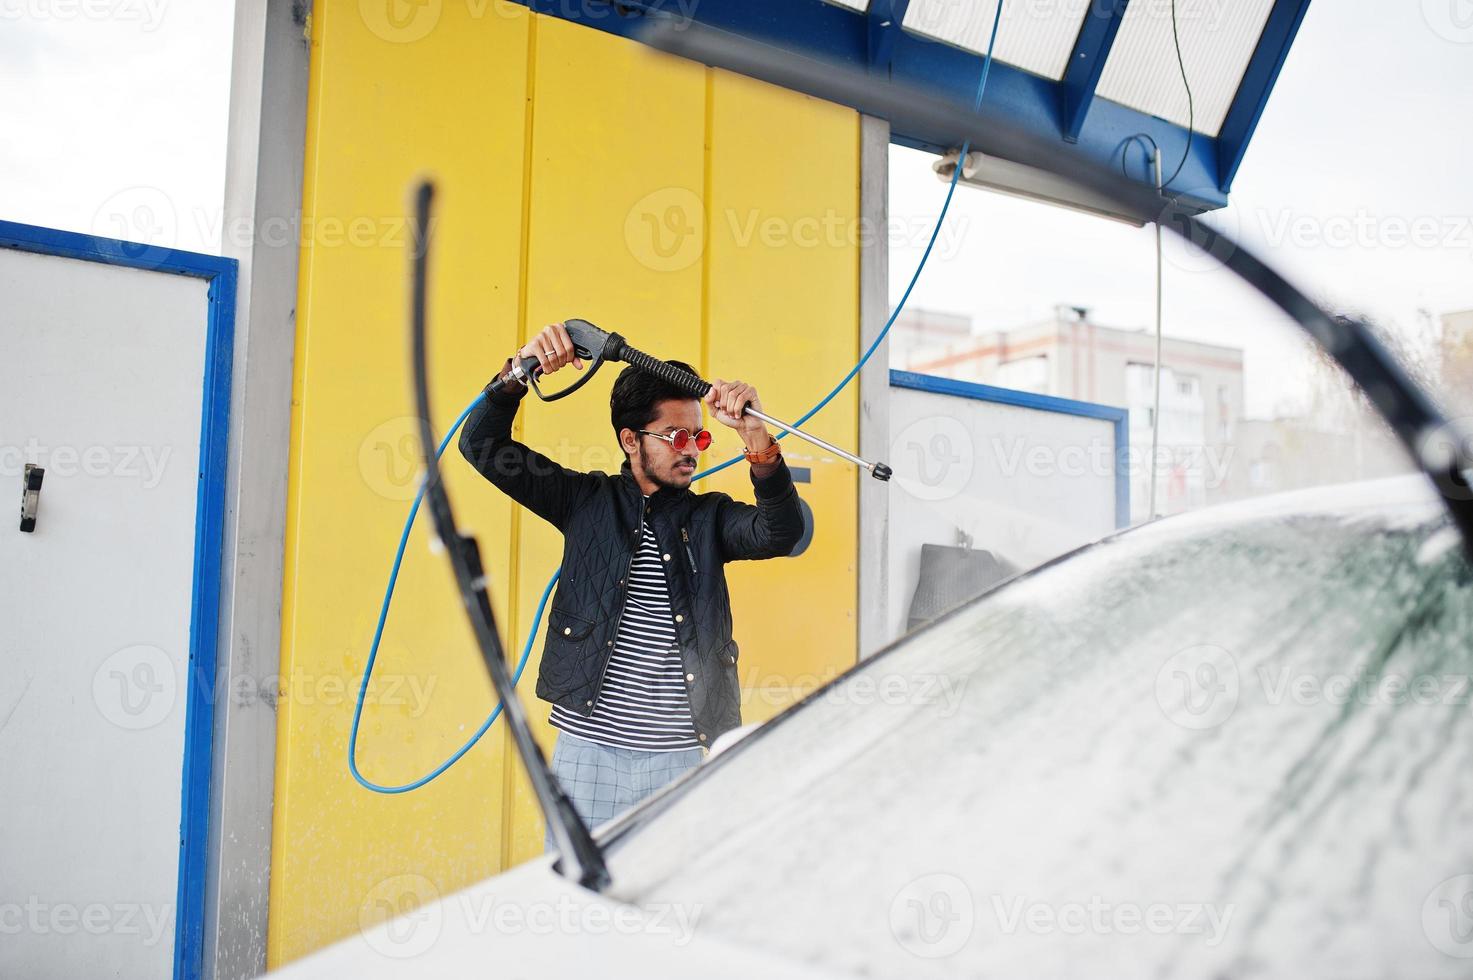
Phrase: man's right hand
[553,349]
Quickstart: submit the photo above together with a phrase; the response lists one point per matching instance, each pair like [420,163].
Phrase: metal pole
[878,470]
[1156,411]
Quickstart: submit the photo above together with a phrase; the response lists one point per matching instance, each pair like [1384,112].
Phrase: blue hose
[378,635]
[383,615]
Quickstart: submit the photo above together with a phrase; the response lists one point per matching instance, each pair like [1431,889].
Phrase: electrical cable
[1161,186]
[1156,369]
[1191,112]
[1125,147]
[547,591]
[1191,107]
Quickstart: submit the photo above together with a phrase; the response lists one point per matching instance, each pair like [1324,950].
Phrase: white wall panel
[1035,36]
[1025,483]
[1217,41]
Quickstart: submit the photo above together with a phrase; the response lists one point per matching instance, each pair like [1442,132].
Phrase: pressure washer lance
[597,346]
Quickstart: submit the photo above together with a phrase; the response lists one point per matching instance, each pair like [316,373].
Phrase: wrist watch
[768,455]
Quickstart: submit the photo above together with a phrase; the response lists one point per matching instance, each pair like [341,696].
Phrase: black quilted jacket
[599,517]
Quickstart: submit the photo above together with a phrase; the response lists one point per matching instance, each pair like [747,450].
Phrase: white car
[1234,743]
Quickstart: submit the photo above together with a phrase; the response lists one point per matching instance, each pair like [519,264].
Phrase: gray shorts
[604,780]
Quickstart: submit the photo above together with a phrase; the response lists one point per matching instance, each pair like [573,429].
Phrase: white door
[101,381]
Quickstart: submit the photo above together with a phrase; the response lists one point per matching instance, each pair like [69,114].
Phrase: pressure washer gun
[597,346]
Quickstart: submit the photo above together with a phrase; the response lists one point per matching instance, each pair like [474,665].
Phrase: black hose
[581,858]
[684,380]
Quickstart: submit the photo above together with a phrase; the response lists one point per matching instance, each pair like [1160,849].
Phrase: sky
[113,117]
[1369,128]
[114,123]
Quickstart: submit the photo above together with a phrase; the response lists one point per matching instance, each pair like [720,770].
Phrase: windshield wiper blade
[581,860]
[1439,447]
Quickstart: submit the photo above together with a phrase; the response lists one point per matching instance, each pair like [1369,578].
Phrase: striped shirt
[643,703]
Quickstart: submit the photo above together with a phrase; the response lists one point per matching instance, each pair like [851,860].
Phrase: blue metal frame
[1119,418]
[220,273]
[1067,110]
[885,18]
[1242,118]
[1087,63]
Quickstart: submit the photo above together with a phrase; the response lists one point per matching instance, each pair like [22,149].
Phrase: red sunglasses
[680,440]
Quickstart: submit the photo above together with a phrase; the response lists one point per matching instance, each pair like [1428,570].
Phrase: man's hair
[635,400]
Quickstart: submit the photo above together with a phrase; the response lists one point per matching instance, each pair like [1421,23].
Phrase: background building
[1456,359]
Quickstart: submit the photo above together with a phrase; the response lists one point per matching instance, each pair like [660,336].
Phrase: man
[639,661]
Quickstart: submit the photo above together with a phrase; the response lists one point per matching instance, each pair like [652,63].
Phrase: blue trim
[832,33]
[1122,472]
[1259,79]
[204,626]
[111,251]
[885,19]
[1087,63]
[1119,418]
[1034,103]
[194,817]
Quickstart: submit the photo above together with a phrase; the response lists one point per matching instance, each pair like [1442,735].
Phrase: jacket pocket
[569,626]
[730,678]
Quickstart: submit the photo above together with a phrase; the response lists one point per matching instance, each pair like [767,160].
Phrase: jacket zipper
[689,556]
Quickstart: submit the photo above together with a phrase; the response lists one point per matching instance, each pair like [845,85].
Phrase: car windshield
[1225,739]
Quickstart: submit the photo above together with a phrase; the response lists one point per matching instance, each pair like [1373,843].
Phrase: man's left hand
[727,399]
